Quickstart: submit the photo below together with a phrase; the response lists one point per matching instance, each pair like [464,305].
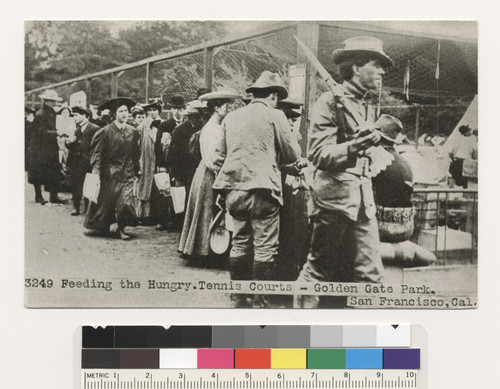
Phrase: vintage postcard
[290,164]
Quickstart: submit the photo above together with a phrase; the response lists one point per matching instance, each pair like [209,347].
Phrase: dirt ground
[56,249]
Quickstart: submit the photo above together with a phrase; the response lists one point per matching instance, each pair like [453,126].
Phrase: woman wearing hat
[116,160]
[200,206]
[466,148]
[44,167]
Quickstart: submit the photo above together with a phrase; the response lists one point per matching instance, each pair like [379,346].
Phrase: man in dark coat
[29,115]
[79,148]
[182,166]
[44,167]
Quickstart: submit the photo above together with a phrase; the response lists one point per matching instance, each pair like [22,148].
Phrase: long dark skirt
[115,204]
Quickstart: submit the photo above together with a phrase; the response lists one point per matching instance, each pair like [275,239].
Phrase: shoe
[40,200]
[124,236]
[57,200]
[97,233]
[75,212]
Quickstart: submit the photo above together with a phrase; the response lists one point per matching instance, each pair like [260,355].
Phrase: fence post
[88,91]
[417,127]
[308,32]
[114,85]
[33,101]
[208,67]
[149,80]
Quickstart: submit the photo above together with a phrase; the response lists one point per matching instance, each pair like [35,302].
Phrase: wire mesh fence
[238,65]
[434,106]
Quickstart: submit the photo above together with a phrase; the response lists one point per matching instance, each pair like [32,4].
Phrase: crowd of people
[232,153]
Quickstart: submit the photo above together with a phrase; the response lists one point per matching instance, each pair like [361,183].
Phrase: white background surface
[36,346]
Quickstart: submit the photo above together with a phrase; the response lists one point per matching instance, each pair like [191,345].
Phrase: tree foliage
[59,50]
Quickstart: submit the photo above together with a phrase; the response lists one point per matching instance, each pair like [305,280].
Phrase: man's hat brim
[81,111]
[341,55]
[280,90]
[117,102]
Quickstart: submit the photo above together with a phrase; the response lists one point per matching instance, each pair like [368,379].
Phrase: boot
[262,271]
[38,195]
[239,270]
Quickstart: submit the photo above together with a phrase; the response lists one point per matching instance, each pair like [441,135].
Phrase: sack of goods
[91,187]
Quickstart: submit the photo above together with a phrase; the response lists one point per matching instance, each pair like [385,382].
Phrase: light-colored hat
[194,107]
[362,44]
[390,128]
[50,94]
[270,81]
[220,94]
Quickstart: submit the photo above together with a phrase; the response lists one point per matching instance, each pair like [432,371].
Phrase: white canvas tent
[469,119]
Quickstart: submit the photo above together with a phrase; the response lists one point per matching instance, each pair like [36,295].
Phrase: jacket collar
[261,101]
[358,92]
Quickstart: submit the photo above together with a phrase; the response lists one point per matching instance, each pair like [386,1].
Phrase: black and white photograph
[251,164]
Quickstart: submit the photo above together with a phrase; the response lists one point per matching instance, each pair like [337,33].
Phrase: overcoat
[116,160]
[43,163]
[80,150]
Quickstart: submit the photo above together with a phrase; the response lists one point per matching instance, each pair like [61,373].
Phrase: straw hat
[220,94]
[359,45]
[51,95]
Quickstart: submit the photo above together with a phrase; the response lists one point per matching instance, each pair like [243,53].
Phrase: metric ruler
[247,379]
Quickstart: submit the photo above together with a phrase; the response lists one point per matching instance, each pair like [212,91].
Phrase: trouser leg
[326,260]
[241,259]
[367,265]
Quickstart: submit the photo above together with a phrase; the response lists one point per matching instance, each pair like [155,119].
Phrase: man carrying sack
[345,243]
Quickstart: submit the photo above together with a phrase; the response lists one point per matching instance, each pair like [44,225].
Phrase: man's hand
[365,140]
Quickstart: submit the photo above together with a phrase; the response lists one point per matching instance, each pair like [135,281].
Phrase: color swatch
[246,336]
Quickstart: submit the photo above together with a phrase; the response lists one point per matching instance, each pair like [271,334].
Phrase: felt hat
[270,81]
[390,128]
[464,129]
[154,103]
[219,95]
[362,45]
[289,103]
[177,101]
[50,94]
[81,110]
[116,102]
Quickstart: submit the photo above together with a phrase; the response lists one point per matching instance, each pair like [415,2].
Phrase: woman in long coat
[116,160]
[195,237]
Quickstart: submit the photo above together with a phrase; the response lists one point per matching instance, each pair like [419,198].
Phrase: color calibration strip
[235,337]
[359,358]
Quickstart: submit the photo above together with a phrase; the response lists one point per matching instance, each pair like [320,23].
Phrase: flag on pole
[438,58]
[406,81]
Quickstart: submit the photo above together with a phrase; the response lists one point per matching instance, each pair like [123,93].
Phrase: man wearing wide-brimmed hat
[44,167]
[255,140]
[79,146]
[345,242]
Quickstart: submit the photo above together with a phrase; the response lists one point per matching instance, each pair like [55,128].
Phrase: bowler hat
[220,94]
[390,128]
[270,81]
[177,101]
[115,103]
[50,94]
[362,45]
[81,110]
